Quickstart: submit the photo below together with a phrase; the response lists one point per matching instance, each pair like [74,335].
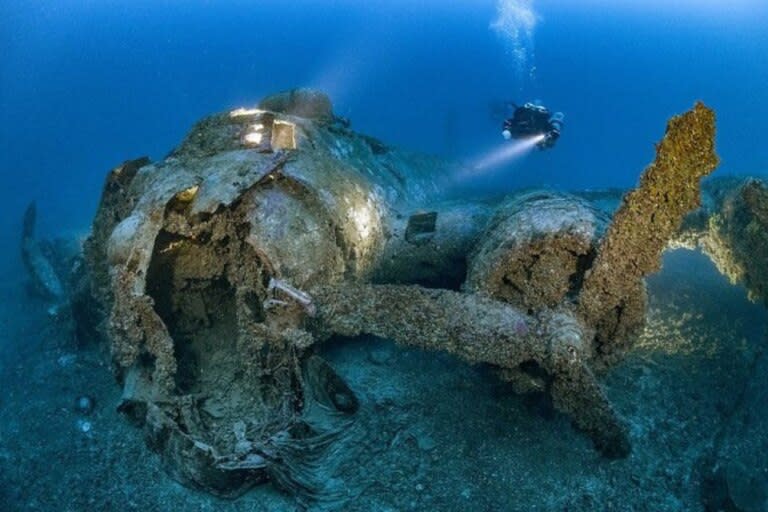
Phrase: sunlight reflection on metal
[255,135]
[344,70]
[363,220]
[239,112]
[341,75]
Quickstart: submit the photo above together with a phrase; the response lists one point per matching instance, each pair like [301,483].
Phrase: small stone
[84,426]
[85,404]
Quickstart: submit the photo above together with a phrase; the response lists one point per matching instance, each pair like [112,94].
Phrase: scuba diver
[531,120]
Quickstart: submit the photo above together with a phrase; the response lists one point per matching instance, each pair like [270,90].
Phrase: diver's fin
[30,218]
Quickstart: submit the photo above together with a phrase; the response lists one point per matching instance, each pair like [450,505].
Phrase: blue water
[85,85]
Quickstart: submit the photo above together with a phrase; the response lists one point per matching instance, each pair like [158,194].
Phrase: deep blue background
[85,85]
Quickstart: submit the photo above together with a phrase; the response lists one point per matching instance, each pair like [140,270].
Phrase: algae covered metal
[270,230]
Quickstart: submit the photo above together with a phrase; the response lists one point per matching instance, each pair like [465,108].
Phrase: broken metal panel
[421,227]
[283,136]
[236,380]
[207,271]
[234,173]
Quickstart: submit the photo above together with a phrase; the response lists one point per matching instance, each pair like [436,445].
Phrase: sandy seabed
[432,433]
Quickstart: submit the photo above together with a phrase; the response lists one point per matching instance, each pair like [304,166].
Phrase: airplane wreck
[222,268]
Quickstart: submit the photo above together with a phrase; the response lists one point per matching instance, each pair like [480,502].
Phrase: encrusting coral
[647,219]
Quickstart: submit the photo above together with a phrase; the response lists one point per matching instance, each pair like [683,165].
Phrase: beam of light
[343,73]
[502,155]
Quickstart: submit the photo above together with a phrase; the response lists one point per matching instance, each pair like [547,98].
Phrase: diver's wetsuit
[531,120]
